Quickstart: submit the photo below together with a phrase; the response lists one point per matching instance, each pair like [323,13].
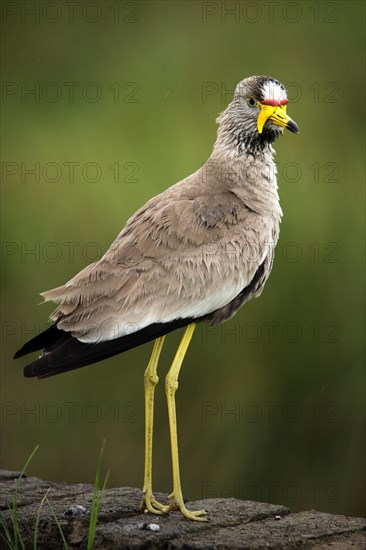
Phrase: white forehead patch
[273,91]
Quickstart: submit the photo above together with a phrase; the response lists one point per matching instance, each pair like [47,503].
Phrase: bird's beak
[276,114]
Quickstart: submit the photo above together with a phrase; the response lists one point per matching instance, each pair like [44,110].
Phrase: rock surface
[232,524]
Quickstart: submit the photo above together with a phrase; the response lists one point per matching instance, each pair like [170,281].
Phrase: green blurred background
[271,404]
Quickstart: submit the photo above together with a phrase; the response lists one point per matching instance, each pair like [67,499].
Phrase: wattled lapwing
[196,252]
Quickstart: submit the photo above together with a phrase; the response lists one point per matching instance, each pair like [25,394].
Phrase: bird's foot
[149,504]
[177,503]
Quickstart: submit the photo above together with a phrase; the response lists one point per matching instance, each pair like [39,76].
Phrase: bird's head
[256,115]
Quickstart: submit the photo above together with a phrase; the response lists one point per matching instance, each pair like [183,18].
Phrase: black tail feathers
[49,337]
[63,352]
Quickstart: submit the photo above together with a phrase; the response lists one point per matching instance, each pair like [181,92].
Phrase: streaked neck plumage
[247,166]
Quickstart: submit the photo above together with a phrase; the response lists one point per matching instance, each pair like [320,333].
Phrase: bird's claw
[150,504]
[177,503]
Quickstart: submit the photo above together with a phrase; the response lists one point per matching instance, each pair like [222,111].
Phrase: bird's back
[189,252]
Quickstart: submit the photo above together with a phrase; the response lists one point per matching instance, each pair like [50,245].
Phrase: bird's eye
[251,102]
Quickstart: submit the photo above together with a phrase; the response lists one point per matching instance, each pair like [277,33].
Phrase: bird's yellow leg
[149,504]
[171,386]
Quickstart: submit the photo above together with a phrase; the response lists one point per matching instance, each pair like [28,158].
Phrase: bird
[196,252]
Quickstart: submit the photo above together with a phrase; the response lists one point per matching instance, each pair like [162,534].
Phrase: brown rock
[233,524]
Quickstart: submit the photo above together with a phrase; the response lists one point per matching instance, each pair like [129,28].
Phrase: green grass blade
[8,538]
[16,540]
[38,519]
[57,523]
[96,500]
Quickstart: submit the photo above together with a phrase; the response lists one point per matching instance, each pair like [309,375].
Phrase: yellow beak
[277,115]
